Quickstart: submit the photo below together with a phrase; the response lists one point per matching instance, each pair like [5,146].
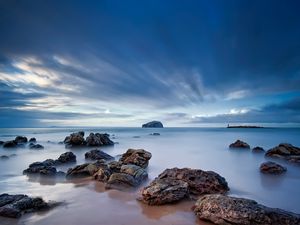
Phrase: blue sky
[123,63]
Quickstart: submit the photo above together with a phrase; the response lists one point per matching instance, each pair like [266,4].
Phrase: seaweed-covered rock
[15,205]
[198,182]
[138,157]
[272,168]
[239,144]
[96,154]
[221,209]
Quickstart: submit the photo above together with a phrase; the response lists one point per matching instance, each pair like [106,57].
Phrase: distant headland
[243,126]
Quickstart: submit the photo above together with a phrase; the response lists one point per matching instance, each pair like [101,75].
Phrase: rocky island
[153,124]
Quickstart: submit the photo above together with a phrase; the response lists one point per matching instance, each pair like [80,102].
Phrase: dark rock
[15,205]
[45,168]
[272,168]
[239,144]
[138,157]
[4,157]
[32,140]
[36,146]
[98,155]
[284,150]
[67,157]
[162,191]
[221,209]
[294,158]
[98,140]
[152,124]
[258,149]
[198,182]
[10,144]
[103,174]
[75,139]
[129,176]
[1,142]
[85,170]
[155,134]
[21,139]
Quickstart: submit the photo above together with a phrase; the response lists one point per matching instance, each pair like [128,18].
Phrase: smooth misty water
[86,201]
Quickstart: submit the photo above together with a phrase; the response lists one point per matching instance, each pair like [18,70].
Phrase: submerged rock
[15,205]
[32,140]
[10,144]
[4,157]
[96,154]
[36,146]
[258,149]
[239,144]
[272,168]
[138,157]
[153,124]
[155,134]
[221,209]
[198,182]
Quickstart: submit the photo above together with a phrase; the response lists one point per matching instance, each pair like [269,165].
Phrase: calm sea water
[86,201]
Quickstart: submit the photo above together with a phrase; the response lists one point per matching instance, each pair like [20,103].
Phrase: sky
[124,63]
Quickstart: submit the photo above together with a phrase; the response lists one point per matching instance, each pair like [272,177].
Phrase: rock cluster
[285,151]
[221,209]
[239,144]
[15,205]
[175,184]
[153,124]
[129,171]
[21,141]
[272,168]
[77,139]
[47,167]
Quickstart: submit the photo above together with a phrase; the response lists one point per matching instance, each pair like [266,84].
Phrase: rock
[272,168]
[15,205]
[239,144]
[4,157]
[129,176]
[36,146]
[98,140]
[221,209]
[156,124]
[284,150]
[32,140]
[1,142]
[162,191]
[294,158]
[85,170]
[103,174]
[98,155]
[258,149]
[155,134]
[10,144]
[45,168]
[67,157]
[21,139]
[198,182]
[138,157]
[75,139]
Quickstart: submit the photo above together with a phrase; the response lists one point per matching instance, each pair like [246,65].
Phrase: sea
[86,202]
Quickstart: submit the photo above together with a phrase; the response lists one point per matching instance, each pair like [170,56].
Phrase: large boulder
[98,140]
[96,154]
[67,157]
[15,205]
[10,144]
[153,124]
[45,168]
[138,157]
[75,139]
[175,184]
[239,144]
[221,209]
[85,170]
[21,139]
[129,176]
[284,150]
[272,168]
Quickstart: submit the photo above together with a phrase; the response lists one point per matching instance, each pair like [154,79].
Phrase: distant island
[153,124]
[243,126]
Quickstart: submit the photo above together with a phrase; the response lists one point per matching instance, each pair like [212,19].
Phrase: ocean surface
[87,202]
